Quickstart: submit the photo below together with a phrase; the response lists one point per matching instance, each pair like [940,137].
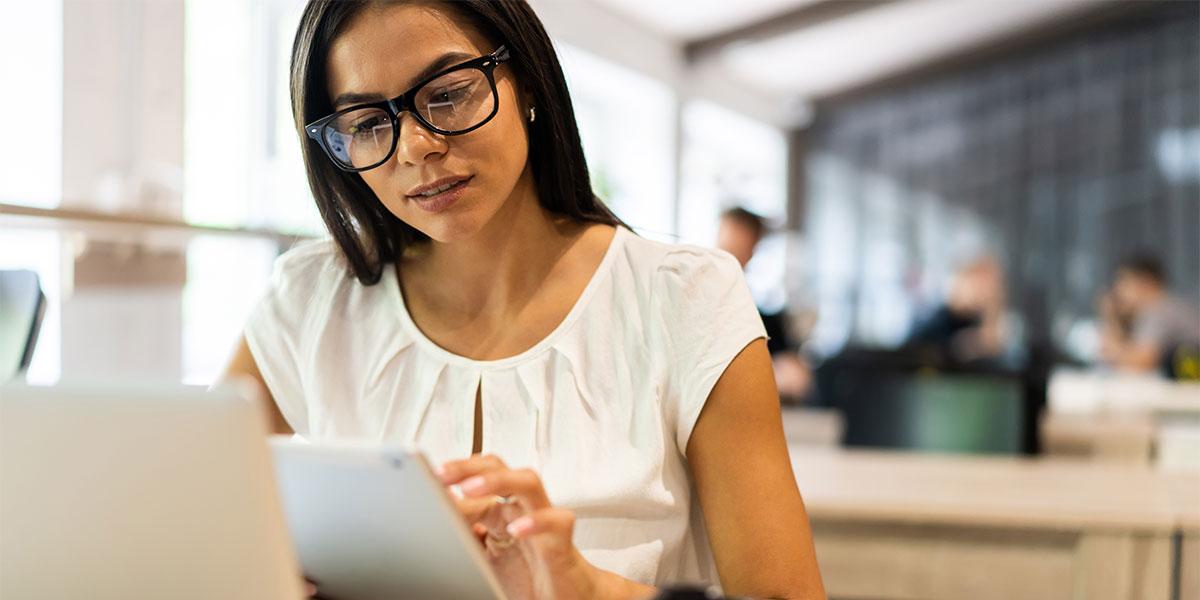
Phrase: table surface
[994,491]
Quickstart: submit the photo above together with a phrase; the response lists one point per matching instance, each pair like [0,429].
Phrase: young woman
[605,403]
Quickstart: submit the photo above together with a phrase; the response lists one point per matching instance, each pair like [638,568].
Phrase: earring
[532,114]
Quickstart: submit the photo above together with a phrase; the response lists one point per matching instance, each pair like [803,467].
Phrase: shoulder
[308,261]
[660,258]
[687,269]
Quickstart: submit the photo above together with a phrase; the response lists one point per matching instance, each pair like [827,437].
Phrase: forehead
[382,49]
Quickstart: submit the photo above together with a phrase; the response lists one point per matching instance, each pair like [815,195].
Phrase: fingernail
[473,484]
[440,471]
[520,527]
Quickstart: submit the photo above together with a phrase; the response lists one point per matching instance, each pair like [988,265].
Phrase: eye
[451,95]
[369,125]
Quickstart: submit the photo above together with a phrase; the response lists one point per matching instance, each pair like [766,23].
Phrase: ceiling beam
[800,17]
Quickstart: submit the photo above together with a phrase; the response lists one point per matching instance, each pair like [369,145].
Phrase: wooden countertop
[1009,492]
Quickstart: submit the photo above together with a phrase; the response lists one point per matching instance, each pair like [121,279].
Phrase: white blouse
[602,408]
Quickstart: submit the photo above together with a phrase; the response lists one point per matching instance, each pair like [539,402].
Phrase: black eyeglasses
[454,101]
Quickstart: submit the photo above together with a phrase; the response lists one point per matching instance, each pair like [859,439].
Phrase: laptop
[139,492]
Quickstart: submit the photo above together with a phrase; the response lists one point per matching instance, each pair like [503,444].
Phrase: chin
[447,229]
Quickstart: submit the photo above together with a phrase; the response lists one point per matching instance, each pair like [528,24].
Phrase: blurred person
[971,324]
[739,233]
[605,402]
[1142,323]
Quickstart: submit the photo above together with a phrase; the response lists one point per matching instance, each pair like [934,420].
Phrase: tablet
[373,521]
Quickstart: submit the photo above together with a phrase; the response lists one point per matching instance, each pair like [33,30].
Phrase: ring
[500,541]
[505,500]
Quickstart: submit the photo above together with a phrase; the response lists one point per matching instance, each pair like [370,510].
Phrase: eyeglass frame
[405,103]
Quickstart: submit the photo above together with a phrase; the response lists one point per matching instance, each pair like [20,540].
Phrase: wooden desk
[1122,418]
[907,526]
[1187,496]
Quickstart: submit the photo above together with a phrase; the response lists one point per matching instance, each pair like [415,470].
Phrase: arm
[1131,355]
[242,366]
[756,520]
[1121,347]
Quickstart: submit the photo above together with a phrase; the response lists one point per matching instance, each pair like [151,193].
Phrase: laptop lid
[139,492]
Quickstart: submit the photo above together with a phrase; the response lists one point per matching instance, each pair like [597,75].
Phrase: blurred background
[932,199]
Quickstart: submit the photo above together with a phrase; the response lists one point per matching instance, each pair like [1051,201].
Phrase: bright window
[31,69]
[627,122]
[731,160]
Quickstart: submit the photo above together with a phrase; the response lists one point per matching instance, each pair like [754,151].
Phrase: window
[242,160]
[242,166]
[731,160]
[627,123]
[31,53]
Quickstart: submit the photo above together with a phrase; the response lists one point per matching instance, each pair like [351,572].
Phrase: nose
[417,144]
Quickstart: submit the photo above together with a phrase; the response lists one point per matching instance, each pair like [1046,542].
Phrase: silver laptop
[139,492]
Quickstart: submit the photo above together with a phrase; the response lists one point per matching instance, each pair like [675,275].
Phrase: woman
[604,403]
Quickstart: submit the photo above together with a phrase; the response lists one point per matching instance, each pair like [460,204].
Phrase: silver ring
[505,500]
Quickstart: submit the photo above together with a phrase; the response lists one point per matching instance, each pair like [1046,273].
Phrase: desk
[906,526]
[1122,418]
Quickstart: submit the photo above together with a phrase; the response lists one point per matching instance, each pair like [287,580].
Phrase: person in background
[738,234]
[971,324]
[1142,323]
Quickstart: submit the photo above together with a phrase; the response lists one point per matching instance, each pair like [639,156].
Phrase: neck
[498,268]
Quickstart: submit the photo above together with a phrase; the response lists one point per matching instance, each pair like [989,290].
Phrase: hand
[527,540]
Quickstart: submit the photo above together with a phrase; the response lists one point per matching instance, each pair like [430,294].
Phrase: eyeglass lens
[454,102]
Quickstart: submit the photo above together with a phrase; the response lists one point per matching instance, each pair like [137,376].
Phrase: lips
[448,193]
[421,191]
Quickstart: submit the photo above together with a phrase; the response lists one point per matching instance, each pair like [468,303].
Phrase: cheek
[499,153]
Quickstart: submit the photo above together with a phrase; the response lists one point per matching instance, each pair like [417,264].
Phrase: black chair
[22,307]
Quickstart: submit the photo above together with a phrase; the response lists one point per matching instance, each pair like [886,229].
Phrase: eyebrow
[443,61]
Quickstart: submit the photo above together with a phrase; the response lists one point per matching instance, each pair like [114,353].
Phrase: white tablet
[374,522]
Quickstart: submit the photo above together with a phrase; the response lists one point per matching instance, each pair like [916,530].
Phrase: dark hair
[369,235]
[1146,265]
[747,219]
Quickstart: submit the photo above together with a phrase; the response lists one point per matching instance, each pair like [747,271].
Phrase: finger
[457,470]
[523,484]
[473,509]
[559,521]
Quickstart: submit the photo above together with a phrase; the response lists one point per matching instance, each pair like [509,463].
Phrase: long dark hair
[368,234]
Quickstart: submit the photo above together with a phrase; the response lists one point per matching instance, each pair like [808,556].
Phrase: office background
[162,175]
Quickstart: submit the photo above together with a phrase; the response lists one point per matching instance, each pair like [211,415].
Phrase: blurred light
[1178,154]
[691,19]
[866,46]
[31,67]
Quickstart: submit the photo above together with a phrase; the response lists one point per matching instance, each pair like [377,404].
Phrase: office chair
[22,307]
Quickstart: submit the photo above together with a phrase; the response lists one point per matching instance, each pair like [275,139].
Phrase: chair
[22,307]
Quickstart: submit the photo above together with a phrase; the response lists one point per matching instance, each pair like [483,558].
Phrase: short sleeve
[709,317]
[280,325]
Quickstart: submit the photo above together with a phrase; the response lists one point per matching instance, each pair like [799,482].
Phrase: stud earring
[532,114]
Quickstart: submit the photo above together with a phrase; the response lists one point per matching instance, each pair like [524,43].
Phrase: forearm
[610,586]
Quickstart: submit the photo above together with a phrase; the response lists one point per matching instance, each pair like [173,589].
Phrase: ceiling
[688,20]
[805,50]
